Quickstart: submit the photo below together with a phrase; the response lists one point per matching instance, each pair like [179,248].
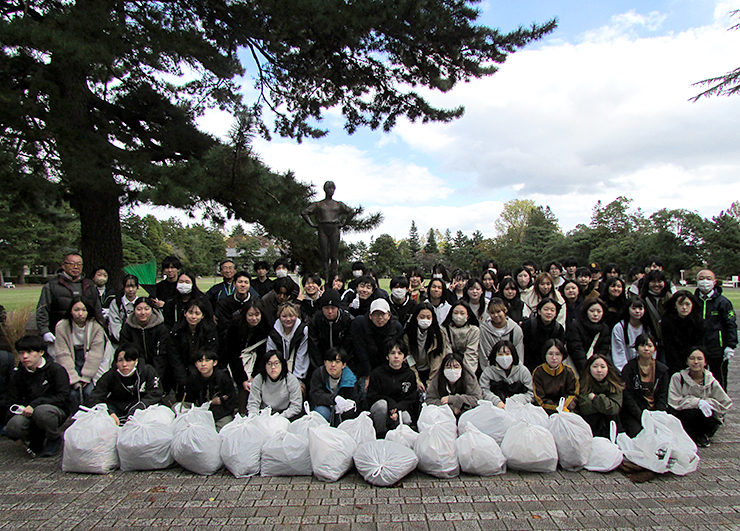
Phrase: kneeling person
[334,392]
[212,384]
[392,391]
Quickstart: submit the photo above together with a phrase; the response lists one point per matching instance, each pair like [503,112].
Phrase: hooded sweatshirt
[490,335]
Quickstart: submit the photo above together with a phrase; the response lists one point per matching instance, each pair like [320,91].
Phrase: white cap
[380,305]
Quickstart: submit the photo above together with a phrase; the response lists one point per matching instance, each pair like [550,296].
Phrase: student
[225,288]
[474,297]
[516,310]
[41,388]
[626,332]
[229,306]
[392,391]
[589,334]
[681,328]
[310,297]
[261,284]
[283,290]
[538,329]
[655,292]
[289,337]
[187,290]
[329,327]
[462,334]
[416,284]
[357,301]
[80,345]
[489,280]
[122,307]
[543,287]
[246,342]
[211,384]
[402,304]
[440,271]
[646,384]
[358,270]
[524,281]
[337,283]
[457,288]
[166,289]
[697,399]
[496,328]
[129,385]
[570,265]
[720,324]
[615,300]
[372,336]
[334,379]
[504,377]
[571,292]
[600,399]
[189,336]
[106,294]
[554,380]
[454,385]
[583,277]
[275,387]
[425,342]
[437,296]
[555,269]
[145,329]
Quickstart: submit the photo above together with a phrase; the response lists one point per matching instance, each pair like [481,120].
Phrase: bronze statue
[330,216]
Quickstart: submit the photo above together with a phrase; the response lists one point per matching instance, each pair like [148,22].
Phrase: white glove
[49,337]
[343,405]
[729,352]
[355,303]
[105,312]
[706,408]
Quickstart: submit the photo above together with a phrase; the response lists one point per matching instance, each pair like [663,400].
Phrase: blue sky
[596,110]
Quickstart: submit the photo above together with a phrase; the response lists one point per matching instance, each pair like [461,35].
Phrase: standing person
[41,388]
[289,337]
[571,292]
[146,330]
[615,299]
[437,296]
[275,387]
[426,344]
[283,290]
[105,294]
[166,288]
[554,380]
[524,281]
[225,288]
[454,385]
[698,399]
[681,328]
[357,301]
[590,334]
[330,327]
[401,303]
[416,284]
[571,266]
[122,306]
[505,377]
[56,296]
[309,299]
[655,291]
[331,381]
[720,324]
[392,391]
[474,297]
[540,328]
[496,328]
[261,283]
[646,385]
[230,306]
[626,332]
[543,287]
[555,269]
[600,400]
[190,336]
[489,280]
[80,348]
[515,307]
[213,385]
[187,290]
[462,334]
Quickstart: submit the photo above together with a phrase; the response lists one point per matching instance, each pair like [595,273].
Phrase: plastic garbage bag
[530,448]
[402,434]
[90,443]
[269,423]
[360,429]
[196,445]
[436,451]
[479,454]
[145,441]
[605,454]
[489,419]
[573,438]
[312,419]
[286,454]
[431,414]
[241,445]
[529,413]
[331,451]
[384,463]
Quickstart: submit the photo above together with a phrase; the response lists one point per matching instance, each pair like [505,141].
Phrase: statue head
[329,188]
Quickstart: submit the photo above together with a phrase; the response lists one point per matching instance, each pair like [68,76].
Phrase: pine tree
[431,246]
[414,243]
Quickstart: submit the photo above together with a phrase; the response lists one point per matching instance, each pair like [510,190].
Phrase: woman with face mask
[454,385]
[426,344]
[505,377]
[187,290]
[462,334]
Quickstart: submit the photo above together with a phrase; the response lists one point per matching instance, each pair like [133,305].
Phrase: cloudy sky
[596,110]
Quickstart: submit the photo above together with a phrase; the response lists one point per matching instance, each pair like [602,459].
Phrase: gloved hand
[355,303]
[343,405]
[105,312]
[49,337]
[729,352]
[706,408]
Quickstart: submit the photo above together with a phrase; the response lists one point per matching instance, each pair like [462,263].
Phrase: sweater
[94,349]
[685,393]
[462,395]
[497,386]
[465,340]
[282,396]
[490,335]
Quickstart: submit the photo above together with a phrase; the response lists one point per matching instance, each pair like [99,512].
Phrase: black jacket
[396,387]
[581,334]
[371,343]
[679,335]
[323,334]
[182,346]
[403,311]
[199,390]
[238,338]
[633,399]
[152,341]
[46,385]
[535,334]
[56,296]
[127,394]
[720,322]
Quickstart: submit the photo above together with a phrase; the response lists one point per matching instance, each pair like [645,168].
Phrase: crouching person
[392,391]
[211,384]
[334,392]
[39,398]
[129,385]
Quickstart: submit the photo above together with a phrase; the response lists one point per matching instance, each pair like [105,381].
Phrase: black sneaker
[704,442]
[51,448]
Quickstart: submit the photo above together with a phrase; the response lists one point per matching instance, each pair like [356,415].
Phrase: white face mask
[437,275]
[126,375]
[398,293]
[424,323]
[705,286]
[184,287]
[281,273]
[357,273]
[459,320]
[504,361]
[452,375]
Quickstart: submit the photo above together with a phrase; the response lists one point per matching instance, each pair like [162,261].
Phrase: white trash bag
[145,441]
[530,448]
[241,446]
[573,438]
[436,451]
[312,419]
[286,454]
[605,454]
[384,463]
[431,414]
[479,454]
[331,451]
[529,413]
[196,445]
[402,434]
[489,419]
[361,429]
[269,423]
[90,443]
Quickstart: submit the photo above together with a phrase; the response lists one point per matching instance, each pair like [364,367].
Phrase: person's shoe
[51,448]
[704,442]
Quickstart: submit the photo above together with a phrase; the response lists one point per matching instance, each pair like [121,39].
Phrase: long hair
[434,332]
[441,380]
[539,279]
[672,312]
[91,314]
[472,319]
[482,301]
[612,378]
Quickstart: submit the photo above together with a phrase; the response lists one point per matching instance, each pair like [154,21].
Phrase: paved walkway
[35,494]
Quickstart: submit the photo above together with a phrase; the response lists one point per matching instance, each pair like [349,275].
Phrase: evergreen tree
[431,245]
[414,243]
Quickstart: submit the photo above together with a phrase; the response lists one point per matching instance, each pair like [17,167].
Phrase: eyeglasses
[273,364]
[73,264]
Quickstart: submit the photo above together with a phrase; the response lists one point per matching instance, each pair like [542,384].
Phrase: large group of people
[610,347]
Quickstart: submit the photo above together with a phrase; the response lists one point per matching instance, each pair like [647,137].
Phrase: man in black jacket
[39,398]
[329,327]
[372,336]
[392,392]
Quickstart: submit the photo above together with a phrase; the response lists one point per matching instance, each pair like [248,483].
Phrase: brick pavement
[35,494]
